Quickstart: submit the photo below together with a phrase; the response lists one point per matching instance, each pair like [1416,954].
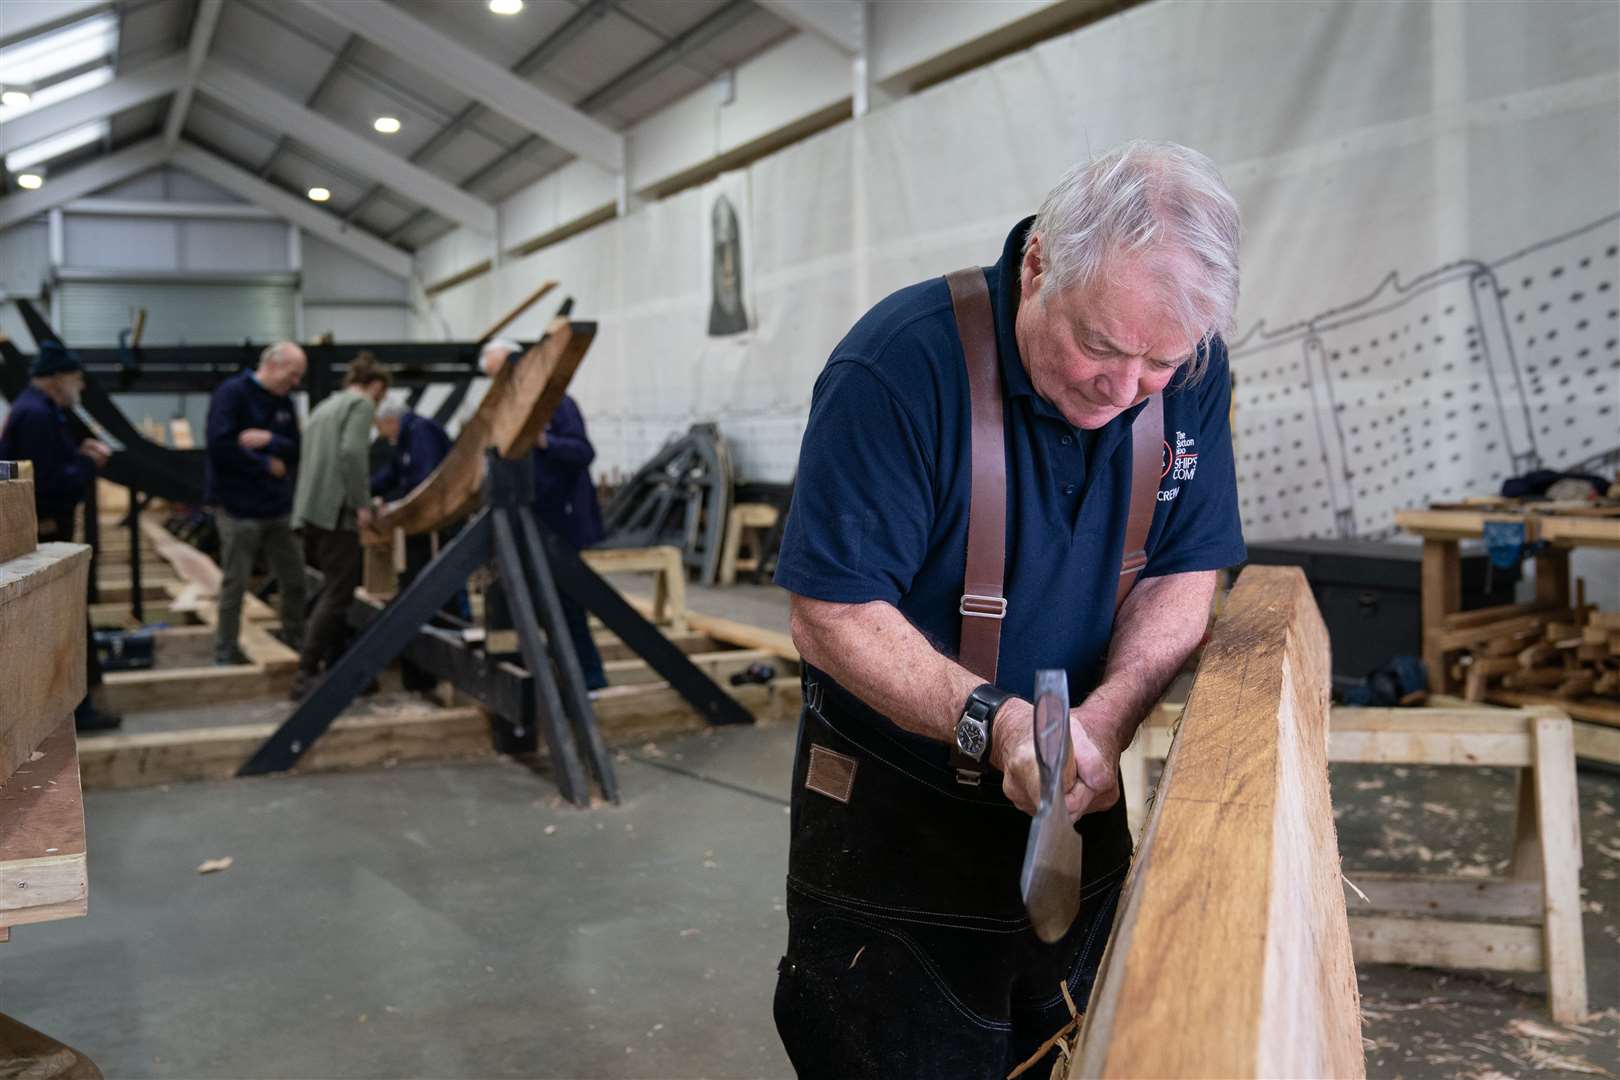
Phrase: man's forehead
[1128,325]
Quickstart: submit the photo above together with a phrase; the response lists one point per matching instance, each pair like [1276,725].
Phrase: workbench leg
[1552,577]
[669,593]
[1442,595]
[1557,813]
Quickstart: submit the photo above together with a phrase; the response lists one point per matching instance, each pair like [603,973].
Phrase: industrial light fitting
[319,194]
[506,7]
[15,98]
[30,181]
[388,125]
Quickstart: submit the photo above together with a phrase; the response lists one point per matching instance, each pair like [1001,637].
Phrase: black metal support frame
[548,691]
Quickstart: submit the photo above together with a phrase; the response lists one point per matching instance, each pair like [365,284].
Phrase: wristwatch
[970,749]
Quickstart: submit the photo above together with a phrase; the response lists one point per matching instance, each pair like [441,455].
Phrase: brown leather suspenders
[984,601]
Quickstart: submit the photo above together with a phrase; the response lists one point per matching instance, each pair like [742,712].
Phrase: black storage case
[1370,594]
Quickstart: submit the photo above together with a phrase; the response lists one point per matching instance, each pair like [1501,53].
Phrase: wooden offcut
[42,644]
[1231,954]
[19,528]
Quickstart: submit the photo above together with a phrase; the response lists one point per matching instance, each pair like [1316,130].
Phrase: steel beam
[300,212]
[92,176]
[253,98]
[125,92]
[838,22]
[202,38]
[470,73]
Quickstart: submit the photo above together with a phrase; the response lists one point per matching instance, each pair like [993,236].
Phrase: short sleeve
[863,502]
[1202,529]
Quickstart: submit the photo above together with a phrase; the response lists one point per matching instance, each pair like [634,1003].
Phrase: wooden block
[1608,620]
[124,761]
[43,874]
[1467,636]
[1436,896]
[1592,710]
[1596,742]
[1558,816]
[1591,653]
[42,646]
[180,434]
[1389,939]
[19,528]
[1536,655]
[1523,680]
[1479,616]
[178,688]
[1241,835]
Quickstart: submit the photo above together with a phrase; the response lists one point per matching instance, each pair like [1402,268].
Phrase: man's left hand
[1095,785]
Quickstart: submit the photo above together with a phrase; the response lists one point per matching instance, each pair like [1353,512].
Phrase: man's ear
[1032,270]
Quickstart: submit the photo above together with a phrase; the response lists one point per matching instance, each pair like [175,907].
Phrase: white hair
[505,347]
[392,410]
[277,351]
[1157,201]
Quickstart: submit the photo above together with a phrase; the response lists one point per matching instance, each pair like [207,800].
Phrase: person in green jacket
[332,503]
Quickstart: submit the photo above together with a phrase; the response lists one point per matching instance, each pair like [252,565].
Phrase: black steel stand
[563,714]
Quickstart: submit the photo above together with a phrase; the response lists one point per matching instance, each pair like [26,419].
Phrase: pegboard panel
[1285,487]
[1414,403]
[1563,315]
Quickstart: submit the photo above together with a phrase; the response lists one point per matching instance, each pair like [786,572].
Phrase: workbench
[1563,527]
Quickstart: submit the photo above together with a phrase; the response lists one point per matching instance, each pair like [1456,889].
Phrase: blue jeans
[909,950]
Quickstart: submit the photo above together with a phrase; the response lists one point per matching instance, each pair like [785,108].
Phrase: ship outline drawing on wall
[1431,389]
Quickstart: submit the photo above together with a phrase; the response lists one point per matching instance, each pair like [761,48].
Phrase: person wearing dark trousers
[36,429]
[564,501]
[253,451]
[332,503]
[420,444]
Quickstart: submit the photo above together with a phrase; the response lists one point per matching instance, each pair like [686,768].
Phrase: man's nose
[1120,386]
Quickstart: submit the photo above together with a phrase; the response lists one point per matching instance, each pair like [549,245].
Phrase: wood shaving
[1530,1029]
[214,866]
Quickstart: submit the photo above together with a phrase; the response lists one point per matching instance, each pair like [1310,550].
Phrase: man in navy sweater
[253,447]
[564,500]
[36,429]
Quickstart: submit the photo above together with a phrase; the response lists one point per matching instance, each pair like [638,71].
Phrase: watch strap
[982,704]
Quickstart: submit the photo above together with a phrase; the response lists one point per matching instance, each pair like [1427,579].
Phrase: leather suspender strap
[984,603]
[1147,469]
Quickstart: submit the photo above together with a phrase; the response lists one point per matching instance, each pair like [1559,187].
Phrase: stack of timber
[1534,653]
[1231,953]
[42,677]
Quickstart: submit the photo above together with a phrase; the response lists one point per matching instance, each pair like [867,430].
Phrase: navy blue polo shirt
[880,506]
[36,430]
[564,497]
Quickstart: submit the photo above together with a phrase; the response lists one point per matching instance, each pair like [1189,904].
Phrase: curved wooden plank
[1231,952]
[520,402]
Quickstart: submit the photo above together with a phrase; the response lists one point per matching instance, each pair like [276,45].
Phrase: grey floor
[458,921]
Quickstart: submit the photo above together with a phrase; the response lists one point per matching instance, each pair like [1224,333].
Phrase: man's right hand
[253,439]
[277,467]
[96,450]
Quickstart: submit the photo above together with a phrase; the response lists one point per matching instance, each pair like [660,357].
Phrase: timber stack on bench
[1230,955]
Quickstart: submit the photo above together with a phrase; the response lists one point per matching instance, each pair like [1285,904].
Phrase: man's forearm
[882,659]
[1160,625]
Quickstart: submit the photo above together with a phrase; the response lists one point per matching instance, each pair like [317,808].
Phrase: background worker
[332,503]
[564,500]
[419,445]
[253,449]
[36,429]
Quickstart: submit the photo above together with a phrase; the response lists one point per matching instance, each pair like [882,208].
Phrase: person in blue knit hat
[36,429]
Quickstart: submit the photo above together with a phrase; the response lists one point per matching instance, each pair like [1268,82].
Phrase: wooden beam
[729,631]
[180,688]
[42,849]
[520,402]
[1388,939]
[1435,896]
[42,644]
[1231,953]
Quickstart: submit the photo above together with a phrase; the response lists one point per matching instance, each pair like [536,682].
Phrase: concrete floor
[458,921]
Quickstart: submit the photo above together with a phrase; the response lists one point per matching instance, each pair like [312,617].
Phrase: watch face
[970,736]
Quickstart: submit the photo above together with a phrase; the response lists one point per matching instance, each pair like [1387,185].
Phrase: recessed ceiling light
[388,125]
[29,180]
[506,7]
[15,98]
[319,194]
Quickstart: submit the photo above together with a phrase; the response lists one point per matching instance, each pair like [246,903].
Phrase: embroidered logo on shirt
[1180,464]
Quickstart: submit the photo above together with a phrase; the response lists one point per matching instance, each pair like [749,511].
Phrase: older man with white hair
[979,450]
[253,447]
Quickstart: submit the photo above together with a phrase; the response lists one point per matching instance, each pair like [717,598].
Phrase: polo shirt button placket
[1067,440]
[1068,489]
